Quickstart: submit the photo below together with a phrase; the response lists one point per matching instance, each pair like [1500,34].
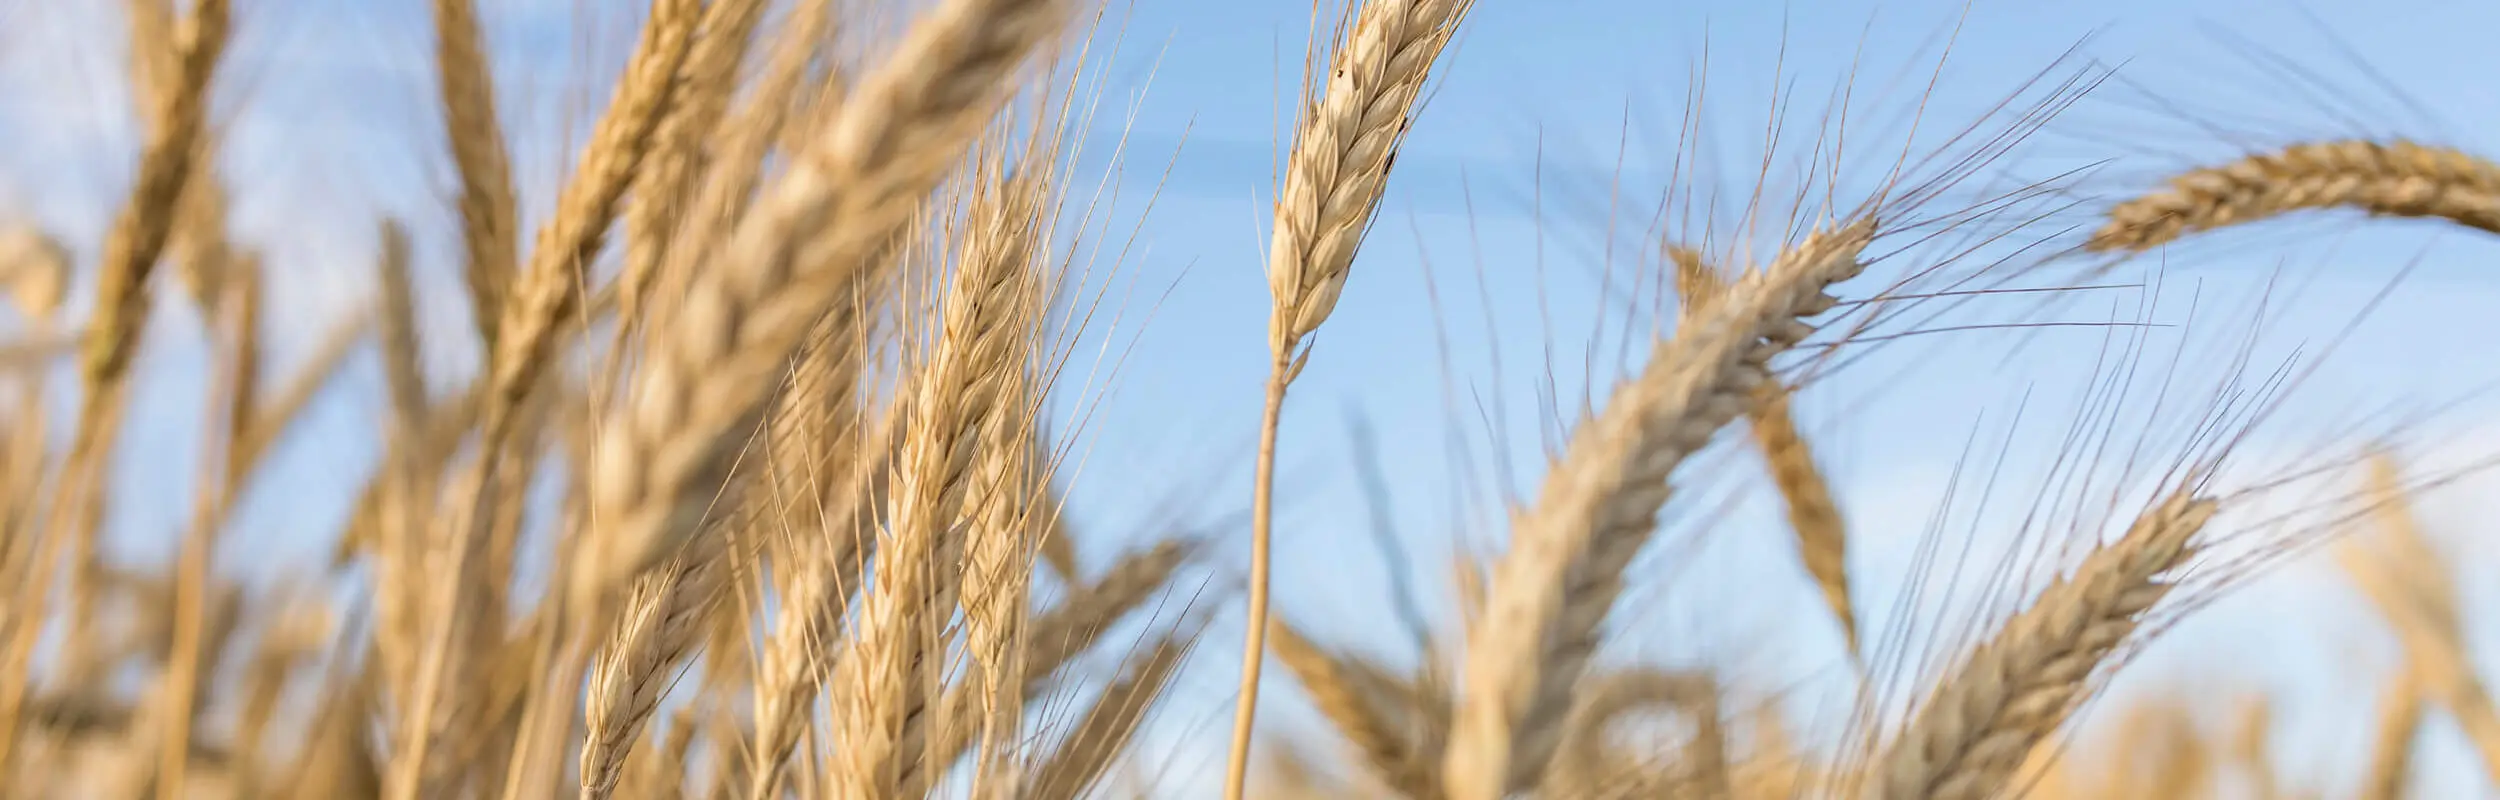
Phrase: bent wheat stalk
[2394,179]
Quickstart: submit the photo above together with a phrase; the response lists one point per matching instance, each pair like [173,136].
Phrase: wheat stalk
[1344,144]
[1549,594]
[2396,179]
[1985,716]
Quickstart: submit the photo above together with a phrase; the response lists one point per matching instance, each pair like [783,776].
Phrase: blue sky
[1492,238]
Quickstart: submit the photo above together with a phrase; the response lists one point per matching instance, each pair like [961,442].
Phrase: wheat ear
[550,291]
[1372,710]
[1550,593]
[2395,179]
[659,627]
[546,297]
[489,213]
[967,391]
[1587,765]
[1985,716]
[1082,756]
[1344,144]
[1053,639]
[1822,534]
[698,395]
[1000,293]
[680,146]
[822,570]
[2414,590]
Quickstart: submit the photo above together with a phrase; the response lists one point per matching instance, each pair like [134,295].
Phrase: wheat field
[727,404]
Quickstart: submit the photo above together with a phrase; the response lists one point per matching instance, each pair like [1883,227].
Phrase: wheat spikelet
[2397,179]
[1548,596]
[489,213]
[1822,534]
[1985,716]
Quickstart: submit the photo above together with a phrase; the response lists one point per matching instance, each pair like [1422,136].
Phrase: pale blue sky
[332,98]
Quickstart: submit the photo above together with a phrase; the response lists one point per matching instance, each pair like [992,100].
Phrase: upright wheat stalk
[1343,146]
